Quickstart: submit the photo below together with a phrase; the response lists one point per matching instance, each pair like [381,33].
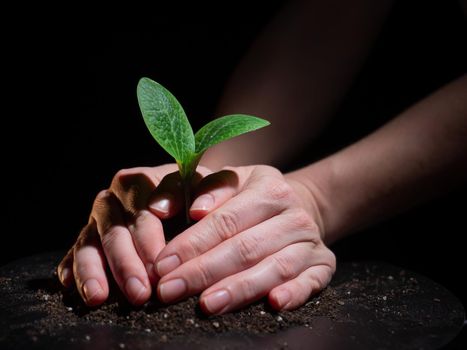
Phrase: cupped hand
[257,235]
[124,232]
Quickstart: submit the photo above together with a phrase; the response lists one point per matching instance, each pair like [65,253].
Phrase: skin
[260,232]
[227,259]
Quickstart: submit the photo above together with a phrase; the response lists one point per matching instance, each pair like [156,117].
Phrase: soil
[366,304]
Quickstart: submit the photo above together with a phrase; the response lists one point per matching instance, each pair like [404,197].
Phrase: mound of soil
[367,305]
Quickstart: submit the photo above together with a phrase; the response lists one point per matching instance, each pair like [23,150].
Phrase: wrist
[310,197]
[316,184]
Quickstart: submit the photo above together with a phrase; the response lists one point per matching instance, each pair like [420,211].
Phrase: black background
[70,116]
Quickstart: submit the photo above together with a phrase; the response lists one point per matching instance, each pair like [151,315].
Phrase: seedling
[169,125]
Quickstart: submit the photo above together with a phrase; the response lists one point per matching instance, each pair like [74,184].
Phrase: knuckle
[102,195]
[248,251]
[204,274]
[105,209]
[332,261]
[124,267]
[132,188]
[277,189]
[109,236]
[225,224]
[142,216]
[119,175]
[301,220]
[101,200]
[267,169]
[82,269]
[284,266]
[318,281]
[191,247]
[315,283]
[249,288]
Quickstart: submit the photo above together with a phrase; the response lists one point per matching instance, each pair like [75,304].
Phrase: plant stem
[187,195]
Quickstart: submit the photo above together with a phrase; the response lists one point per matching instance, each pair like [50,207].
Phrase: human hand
[124,232]
[258,235]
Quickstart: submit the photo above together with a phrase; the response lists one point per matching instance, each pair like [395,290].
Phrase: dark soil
[182,319]
[375,301]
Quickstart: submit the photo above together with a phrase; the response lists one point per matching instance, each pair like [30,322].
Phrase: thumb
[167,199]
[213,191]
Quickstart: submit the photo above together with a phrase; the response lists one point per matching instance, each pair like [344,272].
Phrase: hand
[125,232]
[255,238]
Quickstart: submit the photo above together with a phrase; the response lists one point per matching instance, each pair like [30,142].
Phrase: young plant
[169,125]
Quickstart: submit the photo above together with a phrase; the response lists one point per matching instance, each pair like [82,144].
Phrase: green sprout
[169,126]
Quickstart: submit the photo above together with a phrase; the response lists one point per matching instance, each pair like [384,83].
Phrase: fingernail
[283,298]
[65,275]
[91,289]
[172,289]
[203,202]
[217,301]
[134,289]
[167,264]
[161,204]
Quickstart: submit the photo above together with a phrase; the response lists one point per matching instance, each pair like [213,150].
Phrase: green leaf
[224,128]
[166,120]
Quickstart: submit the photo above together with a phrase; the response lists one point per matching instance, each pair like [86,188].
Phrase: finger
[89,267]
[133,187]
[268,196]
[168,199]
[213,191]
[239,253]
[297,291]
[124,261]
[148,237]
[65,269]
[250,285]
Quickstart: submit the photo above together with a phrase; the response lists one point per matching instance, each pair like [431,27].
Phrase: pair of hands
[253,237]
